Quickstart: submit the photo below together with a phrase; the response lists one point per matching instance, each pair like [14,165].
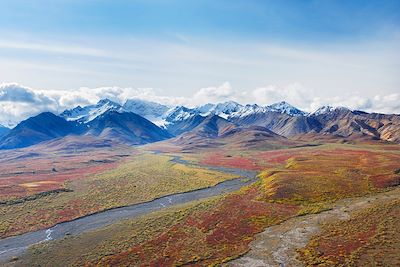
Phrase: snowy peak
[108,102]
[328,109]
[247,110]
[89,113]
[205,109]
[163,115]
[231,109]
[226,109]
[250,109]
[223,110]
[179,113]
[150,110]
[323,110]
[284,107]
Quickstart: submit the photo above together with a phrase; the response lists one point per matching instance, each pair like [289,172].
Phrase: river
[16,245]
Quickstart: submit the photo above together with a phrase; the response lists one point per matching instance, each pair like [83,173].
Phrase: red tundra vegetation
[360,241]
[224,232]
[208,237]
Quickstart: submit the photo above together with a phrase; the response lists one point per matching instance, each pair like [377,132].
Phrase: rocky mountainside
[135,122]
[343,122]
[91,112]
[126,127]
[43,127]
[150,110]
[122,127]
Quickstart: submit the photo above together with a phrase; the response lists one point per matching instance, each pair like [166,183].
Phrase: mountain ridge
[110,120]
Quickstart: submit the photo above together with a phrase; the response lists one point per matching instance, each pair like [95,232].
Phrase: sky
[60,53]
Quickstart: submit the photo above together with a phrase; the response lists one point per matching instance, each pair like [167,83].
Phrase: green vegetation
[34,196]
[138,179]
[293,182]
[112,239]
[369,238]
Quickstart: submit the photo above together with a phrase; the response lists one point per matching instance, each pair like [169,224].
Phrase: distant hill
[206,133]
[255,137]
[178,127]
[343,122]
[213,126]
[215,132]
[127,127]
[328,122]
[43,127]
[280,123]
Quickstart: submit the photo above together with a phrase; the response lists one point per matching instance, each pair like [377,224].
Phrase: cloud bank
[18,102]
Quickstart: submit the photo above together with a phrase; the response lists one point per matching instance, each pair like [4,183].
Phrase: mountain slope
[223,110]
[181,126]
[3,130]
[255,137]
[284,107]
[328,122]
[205,134]
[213,126]
[231,109]
[280,123]
[216,132]
[45,126]
[89,113]
[152,111]
[126,127]
[345,123]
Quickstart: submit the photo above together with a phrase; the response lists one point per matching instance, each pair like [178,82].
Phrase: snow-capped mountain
[284,107]
[128,123]
[327,109]
[180,113]
[223,110]
[232,109]
[152,111]
[162,115]
[89,113]
[248,110]
[205,108]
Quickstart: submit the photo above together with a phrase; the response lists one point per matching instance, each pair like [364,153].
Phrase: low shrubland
[139,178]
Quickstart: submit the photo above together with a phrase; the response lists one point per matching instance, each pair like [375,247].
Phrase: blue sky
[329,50]
[290,20]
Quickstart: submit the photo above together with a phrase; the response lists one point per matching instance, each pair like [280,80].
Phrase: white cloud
[293,93]
[69,49]
[213,94]
[20,102]
[183,63]
[13,92]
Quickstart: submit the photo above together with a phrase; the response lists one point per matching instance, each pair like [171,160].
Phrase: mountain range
[3,130]
[141,122]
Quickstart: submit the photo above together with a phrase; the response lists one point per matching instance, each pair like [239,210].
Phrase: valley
[230,133]
[211,195]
